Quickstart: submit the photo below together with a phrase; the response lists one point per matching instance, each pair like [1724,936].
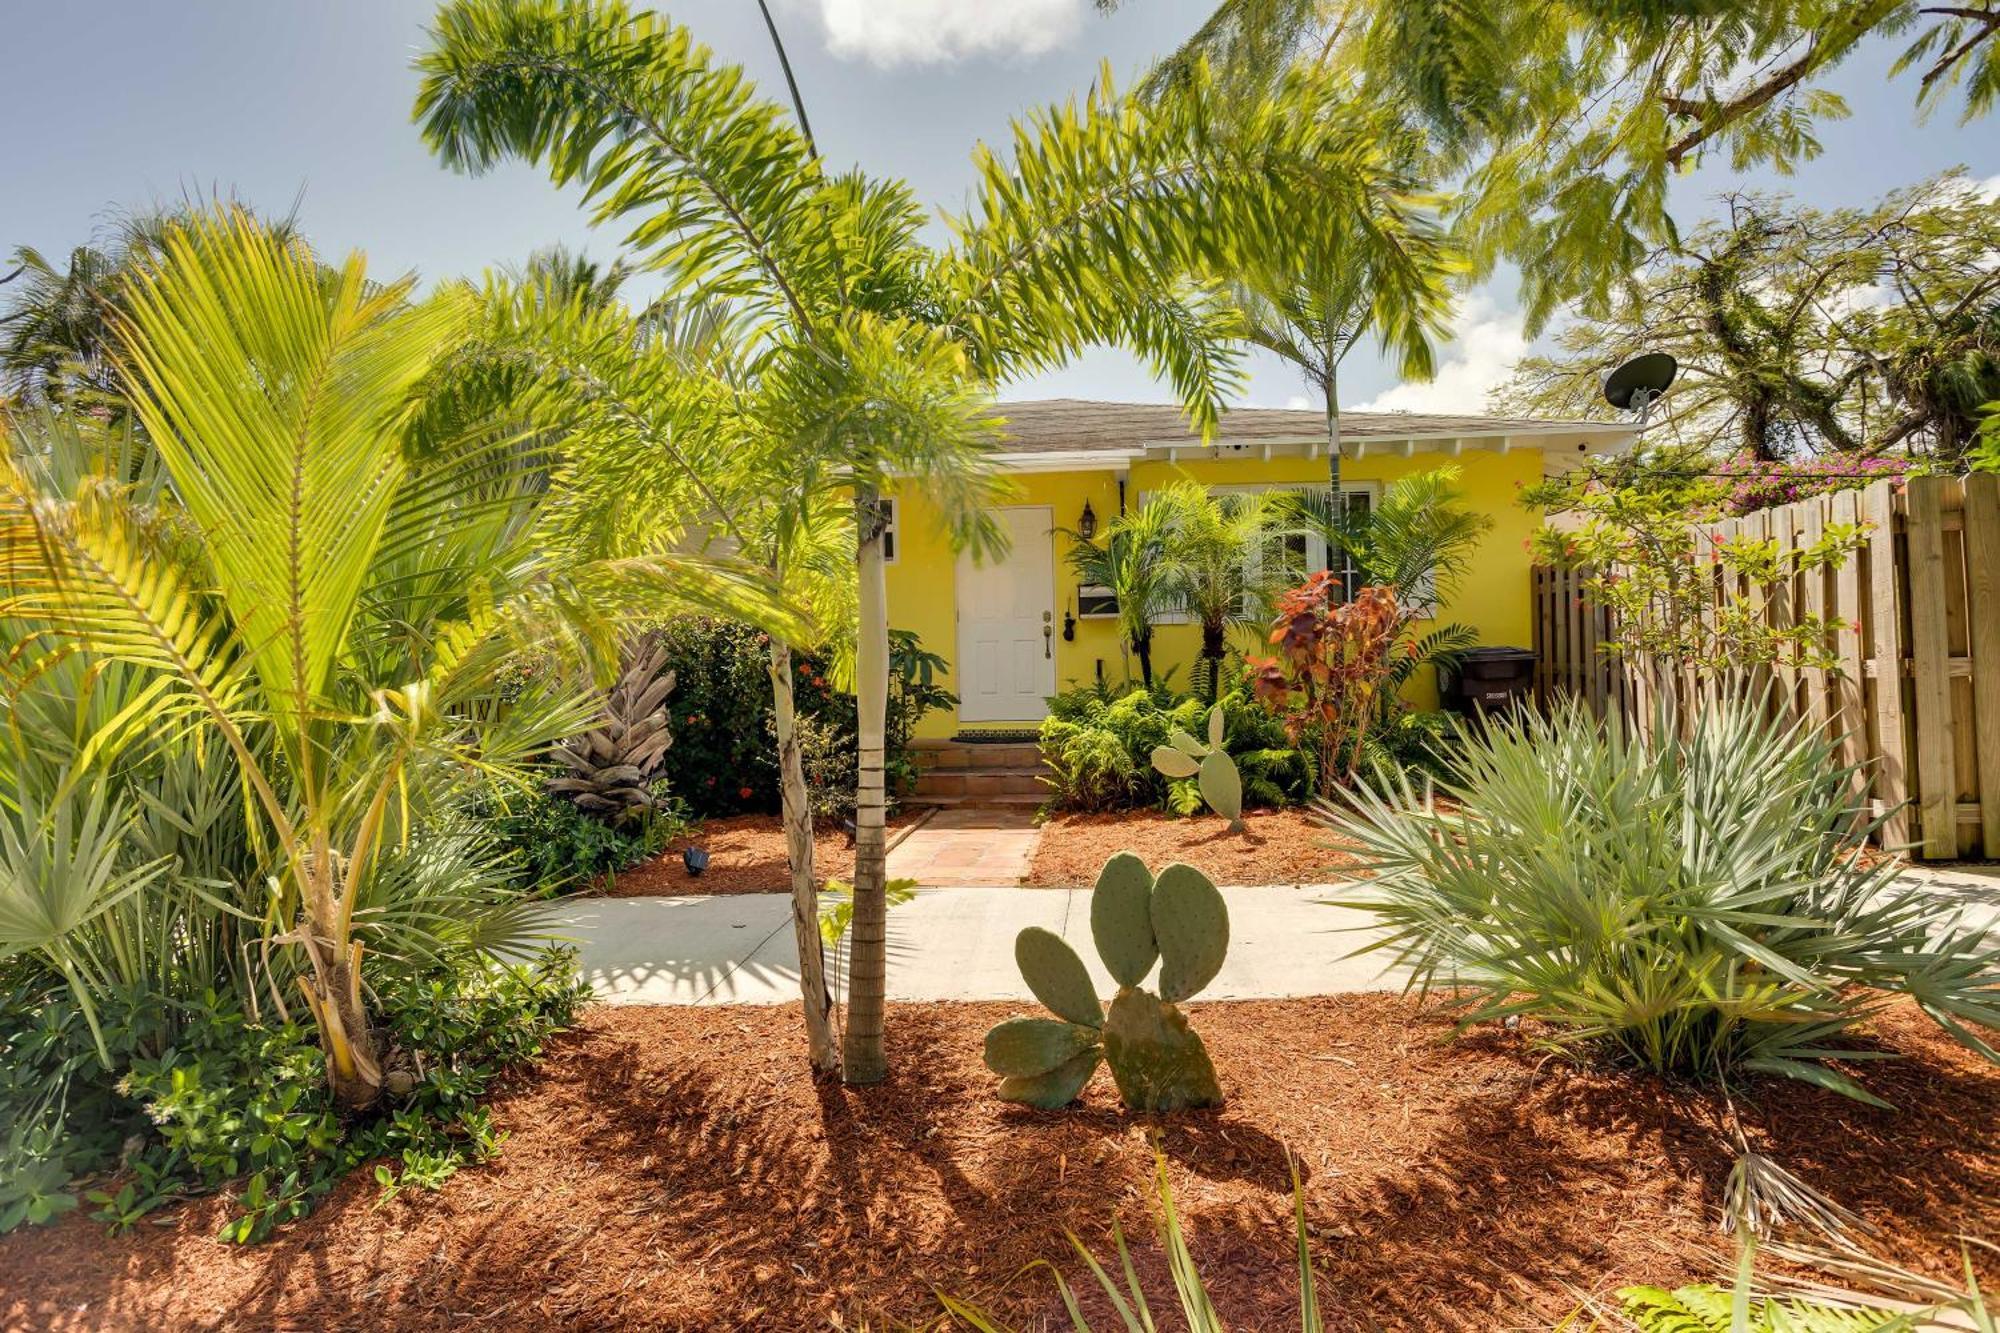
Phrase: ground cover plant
[1690,897]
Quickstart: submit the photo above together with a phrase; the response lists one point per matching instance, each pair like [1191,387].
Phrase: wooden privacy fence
[1915,695]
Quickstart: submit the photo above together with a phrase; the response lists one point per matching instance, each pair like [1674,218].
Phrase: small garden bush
[1693,901]
[556,847]
[1098,745]
[724,760]
[213,1097]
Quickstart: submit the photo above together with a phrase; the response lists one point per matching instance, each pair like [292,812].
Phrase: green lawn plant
[1209,764]
[1179,921]
[1691,897]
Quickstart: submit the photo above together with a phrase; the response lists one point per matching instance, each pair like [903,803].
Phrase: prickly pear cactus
[1214,772]
[1179,921]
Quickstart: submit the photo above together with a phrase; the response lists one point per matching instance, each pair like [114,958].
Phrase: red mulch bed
[674,1168]
[1276,847]
[746,855]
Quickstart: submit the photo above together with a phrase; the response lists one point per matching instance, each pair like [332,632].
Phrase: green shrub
[724,760]
[1098,744]
[557,848]
[242,1099]
[1089,767]
[1696,905]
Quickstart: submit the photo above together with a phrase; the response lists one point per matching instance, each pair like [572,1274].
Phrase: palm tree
[1418,541]
[1135,561]
[873,351]
[355,570]
[58,326]
[1220,576]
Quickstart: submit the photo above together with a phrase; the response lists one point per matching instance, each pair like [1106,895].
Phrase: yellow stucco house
[1016,630]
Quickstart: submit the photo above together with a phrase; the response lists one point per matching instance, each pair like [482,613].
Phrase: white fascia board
[1066,460]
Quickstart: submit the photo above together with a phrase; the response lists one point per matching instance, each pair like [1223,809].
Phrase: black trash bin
[1489,680]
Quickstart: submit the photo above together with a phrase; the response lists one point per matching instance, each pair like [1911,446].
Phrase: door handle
[1048,634]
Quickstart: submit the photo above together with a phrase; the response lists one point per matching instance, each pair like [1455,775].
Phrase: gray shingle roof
[1060,425]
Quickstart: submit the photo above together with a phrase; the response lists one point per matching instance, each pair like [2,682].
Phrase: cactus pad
[1222,788]
[1174,763]
[1057,1088]
[1121,919]
[1057,976]
[1026,1047]
[1157,1061]
[1191,925]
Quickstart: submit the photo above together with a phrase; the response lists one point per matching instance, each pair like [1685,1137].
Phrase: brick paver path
[967,845]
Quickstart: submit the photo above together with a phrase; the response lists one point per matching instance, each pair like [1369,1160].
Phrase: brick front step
[1004,798]
[958,757]
[981,782]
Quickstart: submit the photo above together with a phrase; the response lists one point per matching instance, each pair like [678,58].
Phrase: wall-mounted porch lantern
[1086,527]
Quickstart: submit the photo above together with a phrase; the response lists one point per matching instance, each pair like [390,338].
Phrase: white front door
[1006,624]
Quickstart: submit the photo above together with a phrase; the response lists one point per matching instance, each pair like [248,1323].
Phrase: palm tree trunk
[1142,644]
[863,1056]
[1214,647]
[332,986]
[1336,559]
[352,1064]
[813,992]
[1332,391]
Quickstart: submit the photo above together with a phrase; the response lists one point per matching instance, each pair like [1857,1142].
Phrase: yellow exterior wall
[1493,598]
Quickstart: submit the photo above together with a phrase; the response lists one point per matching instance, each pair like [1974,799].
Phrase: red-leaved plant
[1333,661]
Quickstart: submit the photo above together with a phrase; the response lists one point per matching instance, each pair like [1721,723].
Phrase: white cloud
[1299,402]
[929,32]
[1989,189]
[1486,342]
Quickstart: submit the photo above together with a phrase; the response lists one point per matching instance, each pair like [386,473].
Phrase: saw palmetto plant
[1691,897]
[332,597]
[872,357]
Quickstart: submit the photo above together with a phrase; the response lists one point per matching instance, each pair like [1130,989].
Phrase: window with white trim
[1310,551]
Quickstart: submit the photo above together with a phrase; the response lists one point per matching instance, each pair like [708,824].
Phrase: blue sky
[120,103]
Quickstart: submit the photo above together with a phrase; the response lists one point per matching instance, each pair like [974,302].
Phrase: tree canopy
[1804,332]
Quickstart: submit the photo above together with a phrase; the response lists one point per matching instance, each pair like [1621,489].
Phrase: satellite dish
[1634,386]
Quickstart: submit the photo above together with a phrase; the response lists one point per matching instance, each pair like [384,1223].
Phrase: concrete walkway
[968,845]
[957,943]
[946,944]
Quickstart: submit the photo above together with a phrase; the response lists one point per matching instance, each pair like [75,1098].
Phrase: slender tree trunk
[352,1065]
[813,992]
[1214,647]
[1142,644]
[1335,559]
[862,1049]
[332,986]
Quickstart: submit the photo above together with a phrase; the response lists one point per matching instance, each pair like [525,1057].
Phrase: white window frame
[1318,555]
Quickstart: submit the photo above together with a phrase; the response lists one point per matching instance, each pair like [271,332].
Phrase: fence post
[1892,777]
[1850,687]
[1930,654]
[1982,615]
